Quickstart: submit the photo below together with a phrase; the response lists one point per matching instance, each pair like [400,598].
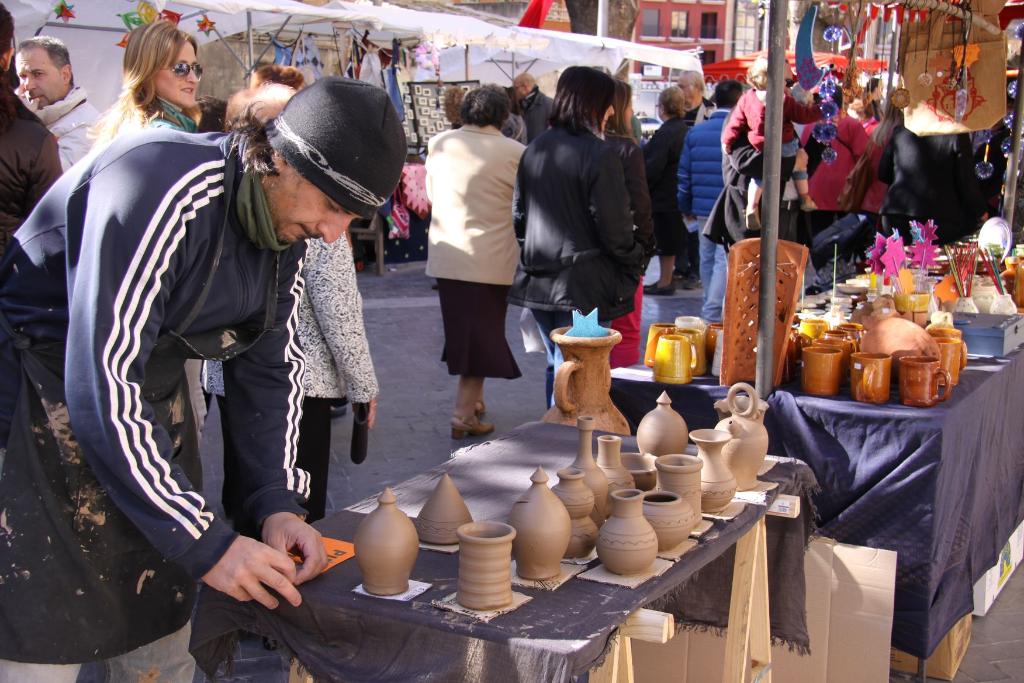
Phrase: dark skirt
[474,329]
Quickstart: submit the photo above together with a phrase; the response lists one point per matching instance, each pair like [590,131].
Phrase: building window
[709,25]
[651,23]
[707,57]
[680,25]
[745,31]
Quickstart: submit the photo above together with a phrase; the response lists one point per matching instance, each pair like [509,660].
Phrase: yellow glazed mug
[813,327]
[653,332]
[672,359]
[699,353]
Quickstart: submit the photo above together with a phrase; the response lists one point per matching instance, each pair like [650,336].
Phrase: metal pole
[1013,163]
[466,62]
[778,33]
[602,18]
[248,33]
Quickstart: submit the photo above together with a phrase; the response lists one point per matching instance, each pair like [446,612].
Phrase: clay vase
[641,466]
[681,474]
[663,430]
[671,517]
[593,477]
[627,543]
[717,485]
[443,513]
[542,529]
[745,454]
[609,460]
[485,565]
[582,382]
[386,547]
[579,503]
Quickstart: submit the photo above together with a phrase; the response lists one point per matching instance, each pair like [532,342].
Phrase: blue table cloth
[941,486]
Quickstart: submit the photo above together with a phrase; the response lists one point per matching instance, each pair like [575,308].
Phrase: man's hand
[248,566]
[285,531]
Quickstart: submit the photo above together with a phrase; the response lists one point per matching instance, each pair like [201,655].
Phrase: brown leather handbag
[851,198]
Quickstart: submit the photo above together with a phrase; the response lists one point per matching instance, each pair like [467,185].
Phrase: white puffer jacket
[69,120]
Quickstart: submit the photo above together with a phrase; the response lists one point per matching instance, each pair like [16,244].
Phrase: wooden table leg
[298,674]
[643,624]
[748,644]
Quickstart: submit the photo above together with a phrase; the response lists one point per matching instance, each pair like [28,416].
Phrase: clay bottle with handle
[745,454]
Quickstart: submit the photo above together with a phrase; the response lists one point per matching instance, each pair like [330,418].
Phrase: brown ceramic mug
[853,332]
[870,377]
[951,333]
[840,341]
[822,366]
[711,339]
[949,357]
[921,377]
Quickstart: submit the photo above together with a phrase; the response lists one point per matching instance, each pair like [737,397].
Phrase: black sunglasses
[182,69]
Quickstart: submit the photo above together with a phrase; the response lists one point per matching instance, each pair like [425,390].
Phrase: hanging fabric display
[370,69]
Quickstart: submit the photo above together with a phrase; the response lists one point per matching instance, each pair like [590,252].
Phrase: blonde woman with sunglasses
[159,82]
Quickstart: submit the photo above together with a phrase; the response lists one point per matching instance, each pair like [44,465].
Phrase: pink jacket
[828,179]
[748,118]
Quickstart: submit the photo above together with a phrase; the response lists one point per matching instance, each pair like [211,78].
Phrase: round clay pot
[672,518]
[593,477]
[608,459]
[542,529]
[745,454]
[681,474]
[663,430]
[444,512]
[717,485]
[627,543]
[579,502]
[485,565]
[641,467]
[386,546]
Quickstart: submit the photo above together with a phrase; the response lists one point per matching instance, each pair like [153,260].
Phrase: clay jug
[485,565]
[579,503]
[542,529]
[609,449]
[583,380]
[745,454]
[593,477]
[386,547]
[717,485]
[672,517]
[680,474]
[663,430]
[627,543]
[443,513]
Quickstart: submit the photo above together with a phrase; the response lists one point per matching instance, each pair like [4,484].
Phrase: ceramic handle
[693,354]
[562,376]
[963,355]
[752,404]
[946,382]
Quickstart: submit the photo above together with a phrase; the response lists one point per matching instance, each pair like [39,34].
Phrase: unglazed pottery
[641,466]
[897,336]
[717,485]
[578,500]
[662,430]
[745,454]
[444,512]
[485,565]
[870,377]
[609,459]
[386,547]
[593,477]
[653,332]
[921,378]
[542,529]
[583,380]
[821,368]
[680,473]
[673,359]
[627,543]
[671,517]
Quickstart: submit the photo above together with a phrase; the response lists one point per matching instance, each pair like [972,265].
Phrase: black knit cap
[343,136]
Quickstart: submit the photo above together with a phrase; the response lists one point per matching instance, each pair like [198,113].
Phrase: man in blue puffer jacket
[700,183]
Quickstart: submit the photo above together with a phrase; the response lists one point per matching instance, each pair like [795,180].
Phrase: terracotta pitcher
[662,430]
[444,512]
[921,377]
[543,530]
[870,377]
[485,565]
[627,543]
[745,454]
[717,485]
[609,452]
[579,503]
[582,382]
[595,479]
[386,548]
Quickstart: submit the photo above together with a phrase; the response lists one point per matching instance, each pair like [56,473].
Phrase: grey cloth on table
[558,636]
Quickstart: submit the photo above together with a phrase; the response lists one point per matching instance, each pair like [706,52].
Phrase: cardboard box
[945,661]
[849,606]
[989,585]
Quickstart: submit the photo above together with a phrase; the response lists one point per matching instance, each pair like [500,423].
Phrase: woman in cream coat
[471,174]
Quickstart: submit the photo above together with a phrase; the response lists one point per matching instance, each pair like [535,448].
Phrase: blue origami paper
[586,325]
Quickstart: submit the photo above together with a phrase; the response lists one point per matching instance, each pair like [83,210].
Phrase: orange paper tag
[945,290]
[906,281]
[337,552]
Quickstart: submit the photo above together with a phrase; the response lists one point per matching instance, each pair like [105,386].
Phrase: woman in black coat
[572,210]
[930,177]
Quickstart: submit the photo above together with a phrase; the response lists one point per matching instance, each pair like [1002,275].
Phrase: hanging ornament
[168,15]
[829,109]
[829,155]
[1006,146]
[828,86]
[960,106]
[63,11]
[147,12]
[1008,119]
[124,41]
[984,169]
[833,34]
[131,20]
[825,132]
[900,98]
[205,25]
[1011,89]
[925,79]
[1018,32]
[808,73]
[983,136]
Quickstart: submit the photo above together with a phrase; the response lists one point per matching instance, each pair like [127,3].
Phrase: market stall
[736,68]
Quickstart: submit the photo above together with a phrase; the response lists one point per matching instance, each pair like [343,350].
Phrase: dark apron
[78,581]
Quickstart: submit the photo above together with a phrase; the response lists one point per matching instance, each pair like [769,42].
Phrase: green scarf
[172,117]
[254,214]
